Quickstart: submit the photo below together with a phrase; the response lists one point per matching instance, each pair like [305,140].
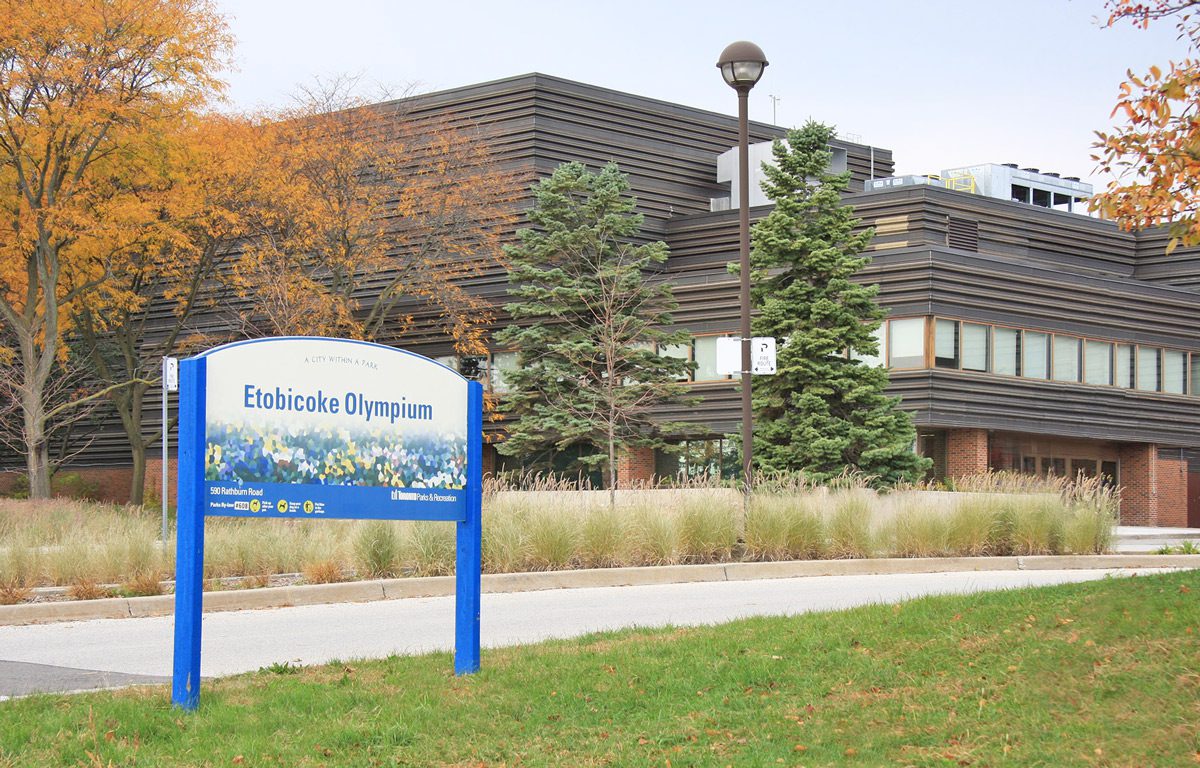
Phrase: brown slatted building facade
[965,260]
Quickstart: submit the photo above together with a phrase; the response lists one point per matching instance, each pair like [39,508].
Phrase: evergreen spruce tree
[823,412]
[587,319]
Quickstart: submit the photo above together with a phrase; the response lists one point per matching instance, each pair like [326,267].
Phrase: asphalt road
[82,655]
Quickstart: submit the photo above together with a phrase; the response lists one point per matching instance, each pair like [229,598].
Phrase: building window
[1066,358]
[945,344]
[906,343]
[1125,365]
[717,458]
[1196,373]
[502,364]
[1147,369]
[679,352]
[1035,357]
[976,353]
[1097,362]
[705,350]
[1174,371]
[1007,343]
[875,360]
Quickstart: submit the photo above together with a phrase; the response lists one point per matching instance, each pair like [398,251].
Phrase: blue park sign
[302,427]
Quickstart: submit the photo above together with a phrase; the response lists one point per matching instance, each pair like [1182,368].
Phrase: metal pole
[164,455]
[744,270]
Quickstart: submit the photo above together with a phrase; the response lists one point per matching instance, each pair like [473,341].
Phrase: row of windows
[961,345]
[925,342]
[700,350]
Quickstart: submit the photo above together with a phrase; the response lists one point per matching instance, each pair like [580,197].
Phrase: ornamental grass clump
[429,548]
[377,550]
[553,537]
[706,526]
[784,527]
[1038,526]
[918,531]
[602,539]
[969,527]
[653,536]
[848,527]
[505,548]
[1093,513]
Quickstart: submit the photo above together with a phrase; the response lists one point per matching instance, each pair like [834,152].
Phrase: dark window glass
[1108,471]
[1084,467]
[1029,465]
[1195,373]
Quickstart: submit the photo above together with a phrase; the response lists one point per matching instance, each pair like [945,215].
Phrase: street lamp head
[742,64]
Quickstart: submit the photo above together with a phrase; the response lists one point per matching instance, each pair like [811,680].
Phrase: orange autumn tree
[214,192]
[1155,155]
[386,218]
[86,86]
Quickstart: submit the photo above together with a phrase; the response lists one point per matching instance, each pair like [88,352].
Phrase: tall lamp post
[742,64]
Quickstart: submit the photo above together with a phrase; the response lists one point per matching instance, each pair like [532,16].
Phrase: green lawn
[1104,673]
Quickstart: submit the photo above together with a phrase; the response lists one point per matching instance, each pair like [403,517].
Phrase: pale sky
[942,83]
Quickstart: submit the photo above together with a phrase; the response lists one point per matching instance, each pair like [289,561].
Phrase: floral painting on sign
[276,453]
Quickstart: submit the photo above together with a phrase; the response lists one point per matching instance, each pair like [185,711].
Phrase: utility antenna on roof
[774,103]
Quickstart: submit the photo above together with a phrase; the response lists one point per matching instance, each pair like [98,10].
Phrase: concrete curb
[440,586]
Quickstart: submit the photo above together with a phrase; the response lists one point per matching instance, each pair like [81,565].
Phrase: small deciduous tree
[85,88]
[1155,155]
[824,412]
[588,318]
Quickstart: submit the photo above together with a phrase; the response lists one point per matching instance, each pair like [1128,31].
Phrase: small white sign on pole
[729,356]
[171,374]
[762,355]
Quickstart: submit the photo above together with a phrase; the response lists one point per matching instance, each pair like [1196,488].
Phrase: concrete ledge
[441,586]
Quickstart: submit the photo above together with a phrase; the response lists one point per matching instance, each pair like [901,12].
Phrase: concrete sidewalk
[51,657]
[1140,538]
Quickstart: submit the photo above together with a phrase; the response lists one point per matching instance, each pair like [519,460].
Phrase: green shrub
[73,485]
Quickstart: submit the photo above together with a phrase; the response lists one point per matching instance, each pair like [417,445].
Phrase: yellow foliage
[1155,157]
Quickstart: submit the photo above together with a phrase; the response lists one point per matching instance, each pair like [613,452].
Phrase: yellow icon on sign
[255,505]
[308,507]
[281,505]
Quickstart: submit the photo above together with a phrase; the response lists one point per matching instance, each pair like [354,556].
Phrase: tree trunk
[37,450]
[612,470]
[130,409]
[137,485]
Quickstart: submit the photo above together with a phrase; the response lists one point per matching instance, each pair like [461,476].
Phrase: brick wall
[1172,493]
[153,484]
[1139,484]
[635,466]
[966,452]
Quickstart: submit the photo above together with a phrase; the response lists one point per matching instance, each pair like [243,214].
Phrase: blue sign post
[310,428]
